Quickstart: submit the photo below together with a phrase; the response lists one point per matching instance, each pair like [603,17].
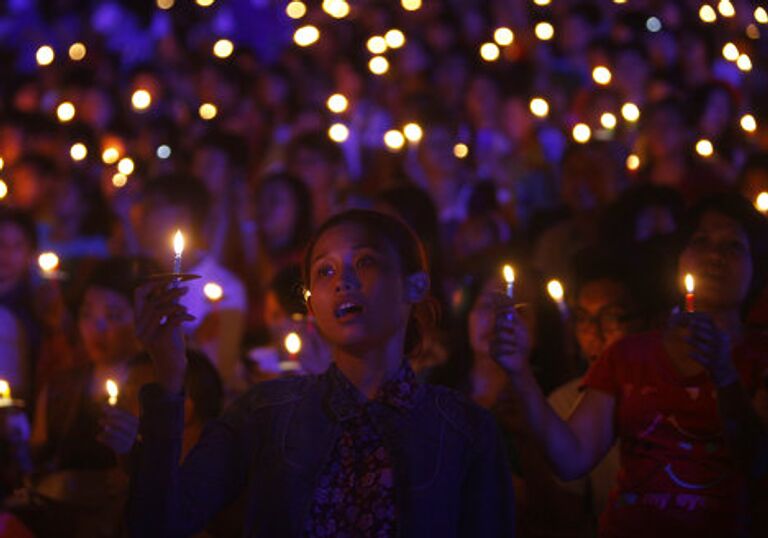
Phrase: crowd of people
[612,147]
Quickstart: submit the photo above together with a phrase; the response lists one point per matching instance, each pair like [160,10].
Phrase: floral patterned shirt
[355,492]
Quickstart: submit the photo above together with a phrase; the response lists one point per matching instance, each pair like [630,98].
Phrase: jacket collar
[400,392]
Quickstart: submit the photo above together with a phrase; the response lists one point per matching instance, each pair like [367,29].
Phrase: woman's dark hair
[119,274]
[754,224]
[412,260]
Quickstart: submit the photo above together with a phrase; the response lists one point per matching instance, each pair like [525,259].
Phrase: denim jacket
[271,445]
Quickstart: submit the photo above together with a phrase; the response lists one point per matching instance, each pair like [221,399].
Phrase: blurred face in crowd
[28,187]
[665,133]
[276,212]
[481,316]
[156,223]
[717,113]
[212,166]
[719,258]
[652,221]
[16,255]
[106,327]
[314,168]
[601,316]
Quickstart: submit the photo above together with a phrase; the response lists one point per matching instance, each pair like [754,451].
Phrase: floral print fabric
[355,493]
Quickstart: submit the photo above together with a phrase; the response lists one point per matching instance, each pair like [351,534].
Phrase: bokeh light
[306,35]
[208,111]
[78,151]
[338,132]
[45,55]
[77,52]
[223,48]
[539,107]
[581,133]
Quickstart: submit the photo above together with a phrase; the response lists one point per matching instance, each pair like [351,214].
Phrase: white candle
[509,278]
[556,292]
[178,249]
[112,391]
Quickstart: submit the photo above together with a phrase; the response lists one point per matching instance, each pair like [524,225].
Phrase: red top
[676,475]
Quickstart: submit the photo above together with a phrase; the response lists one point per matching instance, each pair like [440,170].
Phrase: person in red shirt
[679,401]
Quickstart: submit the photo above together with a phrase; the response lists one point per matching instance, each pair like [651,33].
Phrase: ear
[416,287]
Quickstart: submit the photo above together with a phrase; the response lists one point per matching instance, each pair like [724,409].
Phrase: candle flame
[48,261]
[112,391]
[689,283]
[292,343]
[5,390]
[761,202]
[178,243]
[555,290]
[509,274]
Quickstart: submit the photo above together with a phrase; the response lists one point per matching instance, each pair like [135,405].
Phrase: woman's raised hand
[706,344]
[159,319]
[510,342]
[118,429]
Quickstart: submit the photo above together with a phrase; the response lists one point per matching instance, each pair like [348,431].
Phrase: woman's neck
[369,369]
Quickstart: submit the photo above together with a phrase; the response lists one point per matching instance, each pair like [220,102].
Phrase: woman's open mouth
[347,310]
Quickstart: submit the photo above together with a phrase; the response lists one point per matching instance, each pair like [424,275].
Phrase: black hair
[180,190]
[119,274]
[24,221]
[286,285]
[754,224]
[317,142]
[410,250]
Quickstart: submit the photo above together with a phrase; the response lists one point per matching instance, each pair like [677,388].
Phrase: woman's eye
[699,242]
[325,270]
[366,261]
[735,248]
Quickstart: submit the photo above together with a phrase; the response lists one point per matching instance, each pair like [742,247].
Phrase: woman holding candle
[78,430]
[360,450]
[679,401]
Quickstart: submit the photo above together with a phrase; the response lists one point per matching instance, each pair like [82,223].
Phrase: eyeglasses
[608,319]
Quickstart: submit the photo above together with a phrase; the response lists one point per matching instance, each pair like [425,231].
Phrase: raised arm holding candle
[703,373]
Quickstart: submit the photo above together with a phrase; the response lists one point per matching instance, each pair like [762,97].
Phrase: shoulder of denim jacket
[277,392]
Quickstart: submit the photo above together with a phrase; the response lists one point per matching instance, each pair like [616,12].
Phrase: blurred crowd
[565,138]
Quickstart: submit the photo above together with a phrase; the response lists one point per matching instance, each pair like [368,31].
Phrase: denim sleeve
[488,504]
[168,500]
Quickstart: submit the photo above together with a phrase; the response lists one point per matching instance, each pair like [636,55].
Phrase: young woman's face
[357,288]
[106,326]
[600,317]
[719,258]
[15,254]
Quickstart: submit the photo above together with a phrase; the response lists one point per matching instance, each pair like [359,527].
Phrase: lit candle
[178,249]
[509,278]
[112,391]
[49,262]
[761,202]
[292,343]
[689,298]
[5,393]
[556,292]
